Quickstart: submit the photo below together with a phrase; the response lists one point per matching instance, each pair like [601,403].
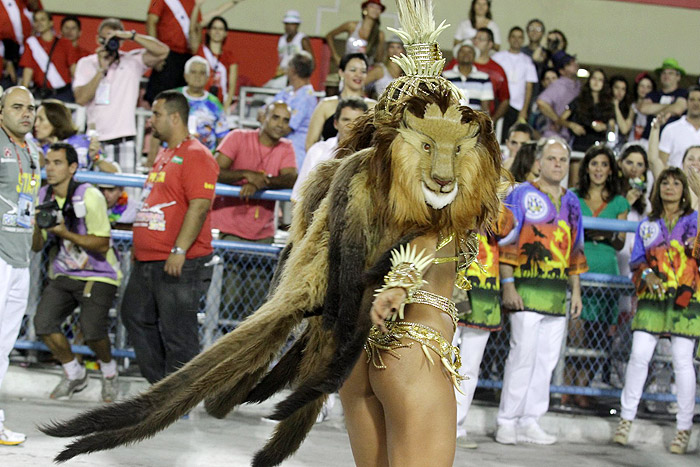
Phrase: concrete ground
[204,441]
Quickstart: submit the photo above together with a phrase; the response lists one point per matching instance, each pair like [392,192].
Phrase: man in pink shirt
[255,159]
[107,83]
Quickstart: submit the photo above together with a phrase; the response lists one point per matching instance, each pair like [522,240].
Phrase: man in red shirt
[169,22]
[257,159]
[48,61]
[172,245]
[71,29]
[484,42]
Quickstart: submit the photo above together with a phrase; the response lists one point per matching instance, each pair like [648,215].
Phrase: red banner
[692,4]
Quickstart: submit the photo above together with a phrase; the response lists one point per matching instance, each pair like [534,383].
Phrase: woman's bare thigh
[364,418]
[419,406]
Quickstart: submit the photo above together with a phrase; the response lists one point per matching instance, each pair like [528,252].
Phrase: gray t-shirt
[19,167]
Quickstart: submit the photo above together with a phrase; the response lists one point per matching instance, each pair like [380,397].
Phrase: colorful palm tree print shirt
[669,255]
[544,246]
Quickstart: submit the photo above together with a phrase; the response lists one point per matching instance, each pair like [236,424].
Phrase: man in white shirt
[345,114]
[522,76]
[678,136]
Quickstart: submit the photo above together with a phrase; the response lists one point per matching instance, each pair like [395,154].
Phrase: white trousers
[471,343]
[14,290]
[535,344]
[643,345]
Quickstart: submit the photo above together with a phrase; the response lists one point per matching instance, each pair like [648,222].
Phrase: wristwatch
[133,34]
[176,250]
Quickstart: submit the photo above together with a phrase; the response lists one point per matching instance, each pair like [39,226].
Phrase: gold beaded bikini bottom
[427,337]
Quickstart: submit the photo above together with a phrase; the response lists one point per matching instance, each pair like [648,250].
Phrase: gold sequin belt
[438,301]
[427,337]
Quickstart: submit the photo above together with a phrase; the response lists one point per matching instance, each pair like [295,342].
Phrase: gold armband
[407,268]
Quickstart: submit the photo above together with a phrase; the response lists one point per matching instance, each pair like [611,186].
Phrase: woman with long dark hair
[591,114]
[353,76]
[665,264]
[599,196]
[364,36]
[622,106]
[525,167]
[479,17]
[224,70]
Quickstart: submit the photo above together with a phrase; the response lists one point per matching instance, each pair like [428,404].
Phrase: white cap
[292,16]
[468,43]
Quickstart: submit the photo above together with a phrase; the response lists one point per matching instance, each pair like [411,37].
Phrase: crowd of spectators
[639,143]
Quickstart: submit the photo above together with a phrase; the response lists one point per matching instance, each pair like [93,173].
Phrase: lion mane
[354,210]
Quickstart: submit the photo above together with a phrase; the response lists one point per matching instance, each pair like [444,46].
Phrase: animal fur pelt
[355,210]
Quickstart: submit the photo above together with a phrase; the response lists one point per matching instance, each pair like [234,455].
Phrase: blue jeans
[159,312]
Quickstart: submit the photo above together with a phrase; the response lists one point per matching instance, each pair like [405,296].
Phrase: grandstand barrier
[242,273]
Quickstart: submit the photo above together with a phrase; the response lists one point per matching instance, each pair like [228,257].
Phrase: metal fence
[592,362]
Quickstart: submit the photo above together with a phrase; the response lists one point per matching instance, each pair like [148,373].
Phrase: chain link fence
[592,362]
[240,281]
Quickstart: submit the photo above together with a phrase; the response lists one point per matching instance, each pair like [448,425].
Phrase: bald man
[257,160]
[19,186]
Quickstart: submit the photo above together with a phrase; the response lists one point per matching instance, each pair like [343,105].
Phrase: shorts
[60,298]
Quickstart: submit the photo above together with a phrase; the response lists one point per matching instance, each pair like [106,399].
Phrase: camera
[112,46]
[48,215]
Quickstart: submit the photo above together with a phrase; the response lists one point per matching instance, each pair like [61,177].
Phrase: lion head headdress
[437,159]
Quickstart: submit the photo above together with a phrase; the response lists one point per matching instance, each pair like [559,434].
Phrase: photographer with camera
[107,83]
[19,184]
[84,271]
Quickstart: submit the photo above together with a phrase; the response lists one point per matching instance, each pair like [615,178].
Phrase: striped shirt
[476,86]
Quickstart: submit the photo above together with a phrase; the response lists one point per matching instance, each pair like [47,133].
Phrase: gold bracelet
[407,268]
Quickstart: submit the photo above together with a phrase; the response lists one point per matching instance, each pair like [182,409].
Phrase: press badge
[25,210]
[102,94]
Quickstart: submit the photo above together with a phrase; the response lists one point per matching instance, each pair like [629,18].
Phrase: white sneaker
[506,434]
[534,434]
[465,442]
[11,438]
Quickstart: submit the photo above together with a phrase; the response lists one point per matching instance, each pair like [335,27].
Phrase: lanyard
[166,162]
[32,165]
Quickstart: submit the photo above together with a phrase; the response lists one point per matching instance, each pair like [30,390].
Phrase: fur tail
[134,411]
[289,435]
[249,350]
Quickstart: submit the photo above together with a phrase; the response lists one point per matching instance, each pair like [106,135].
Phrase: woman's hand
[633,195]
[386,303]
[655,285]
[578,130]
[694,180]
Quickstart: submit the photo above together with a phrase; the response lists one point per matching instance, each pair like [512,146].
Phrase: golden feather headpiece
[423,62]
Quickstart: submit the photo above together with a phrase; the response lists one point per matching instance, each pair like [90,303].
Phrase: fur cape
[355,210]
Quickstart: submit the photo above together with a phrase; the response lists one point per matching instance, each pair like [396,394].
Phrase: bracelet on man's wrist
[507,280]
[646,272]
[133,34]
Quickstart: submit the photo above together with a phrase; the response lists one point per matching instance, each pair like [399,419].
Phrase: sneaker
[67,387]
[679,445]
[465,442]
[505,434]
[12,438]
[534,434]
[622,433]
[110,388]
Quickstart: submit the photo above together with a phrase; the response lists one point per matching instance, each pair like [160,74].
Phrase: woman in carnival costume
[665,264]
[376,242]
